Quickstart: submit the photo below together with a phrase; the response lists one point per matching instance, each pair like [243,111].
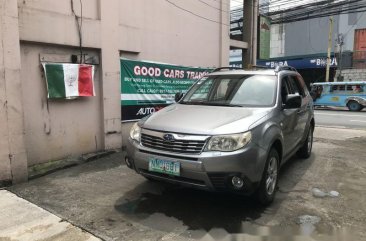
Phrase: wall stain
[46,116]
[96,142]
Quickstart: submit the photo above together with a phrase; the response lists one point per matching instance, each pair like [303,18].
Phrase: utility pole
[250,28]
[329,48]
[340,43]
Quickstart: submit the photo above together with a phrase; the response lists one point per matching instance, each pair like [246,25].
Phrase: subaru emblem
[168,137]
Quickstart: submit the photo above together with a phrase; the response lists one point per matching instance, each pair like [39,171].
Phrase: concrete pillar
[224,33]
[109,16]
[13,157]
[250,13]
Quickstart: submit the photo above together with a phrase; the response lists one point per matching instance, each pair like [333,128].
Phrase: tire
[305,150]
[354,106]
[268,185]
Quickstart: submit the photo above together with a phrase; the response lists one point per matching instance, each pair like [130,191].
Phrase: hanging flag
[69,80]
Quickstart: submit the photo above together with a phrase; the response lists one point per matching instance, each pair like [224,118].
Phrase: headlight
[135,132]
[229,142]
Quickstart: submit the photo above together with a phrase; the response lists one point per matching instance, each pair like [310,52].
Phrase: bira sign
[275,64]
[300,63]
[323,62]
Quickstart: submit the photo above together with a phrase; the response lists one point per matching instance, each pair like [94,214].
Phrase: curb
[43,169]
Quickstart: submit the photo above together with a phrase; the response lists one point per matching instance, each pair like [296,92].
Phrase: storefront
[311,67]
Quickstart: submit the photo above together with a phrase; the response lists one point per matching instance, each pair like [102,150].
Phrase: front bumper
[207,170]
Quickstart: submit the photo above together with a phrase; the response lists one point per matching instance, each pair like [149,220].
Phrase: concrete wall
[60,128]
[162,32]
[13,159]
[309,37]
[347,26]
[35,130]
[352,74]
[277,42]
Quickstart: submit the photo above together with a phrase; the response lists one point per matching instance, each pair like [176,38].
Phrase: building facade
[36,130]
[304,44]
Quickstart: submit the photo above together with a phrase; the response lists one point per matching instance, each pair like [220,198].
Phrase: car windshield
[233,90]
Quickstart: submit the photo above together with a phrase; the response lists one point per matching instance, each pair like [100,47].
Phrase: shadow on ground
[202,210]
[111,201]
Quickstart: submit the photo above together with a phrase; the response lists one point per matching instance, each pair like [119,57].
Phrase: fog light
[128,162]
[237,182]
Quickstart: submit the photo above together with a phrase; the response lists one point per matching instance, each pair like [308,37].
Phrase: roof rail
[261,67]
[227,68]
[280,68]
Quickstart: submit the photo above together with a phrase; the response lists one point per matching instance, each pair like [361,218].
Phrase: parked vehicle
[232,131]
[350,94]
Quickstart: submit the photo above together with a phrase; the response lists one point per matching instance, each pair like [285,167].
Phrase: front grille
[174,156]
[177,146]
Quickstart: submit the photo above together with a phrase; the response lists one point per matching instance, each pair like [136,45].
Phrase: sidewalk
[22,220]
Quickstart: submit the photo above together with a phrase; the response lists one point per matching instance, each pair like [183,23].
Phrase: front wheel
[305,150]
[354,106]
[268,185]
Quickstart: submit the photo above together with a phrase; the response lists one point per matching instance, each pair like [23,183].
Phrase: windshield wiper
[209,103]
[192,102]
[227,104]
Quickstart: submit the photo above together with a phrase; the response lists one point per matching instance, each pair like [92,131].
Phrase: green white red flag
[69,80]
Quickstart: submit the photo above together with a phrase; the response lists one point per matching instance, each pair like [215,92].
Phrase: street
[112,202]
[341,118]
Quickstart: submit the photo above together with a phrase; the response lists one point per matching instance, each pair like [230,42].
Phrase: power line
[79,25]
[358,19]
[195,14]
[317,9]
[219,9]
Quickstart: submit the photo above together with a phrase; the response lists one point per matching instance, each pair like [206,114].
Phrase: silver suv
[231,131]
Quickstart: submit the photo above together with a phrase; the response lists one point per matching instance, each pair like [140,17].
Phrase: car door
[298,87]
[289,118]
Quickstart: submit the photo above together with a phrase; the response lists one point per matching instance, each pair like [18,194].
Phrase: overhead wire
[286,12]
[316,9]
[79,26]
[358,19]
[195,14]
[209,5]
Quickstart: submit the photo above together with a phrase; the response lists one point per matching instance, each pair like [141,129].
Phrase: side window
[356,88]
[338,88]
[285,88]
[302,87]
[296,86]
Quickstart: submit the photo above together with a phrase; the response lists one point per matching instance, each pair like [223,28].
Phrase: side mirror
[293,101]
[178,96]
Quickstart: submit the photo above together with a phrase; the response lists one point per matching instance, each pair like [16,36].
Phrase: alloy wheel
[310,140]
[271,176]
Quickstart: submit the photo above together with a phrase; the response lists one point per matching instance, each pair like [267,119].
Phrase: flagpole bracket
[69,58]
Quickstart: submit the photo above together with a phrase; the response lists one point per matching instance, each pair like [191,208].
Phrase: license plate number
[166,167]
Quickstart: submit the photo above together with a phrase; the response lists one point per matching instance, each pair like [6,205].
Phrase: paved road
[112,202]
[341,118]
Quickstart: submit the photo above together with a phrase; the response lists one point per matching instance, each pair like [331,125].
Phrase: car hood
[204,120]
